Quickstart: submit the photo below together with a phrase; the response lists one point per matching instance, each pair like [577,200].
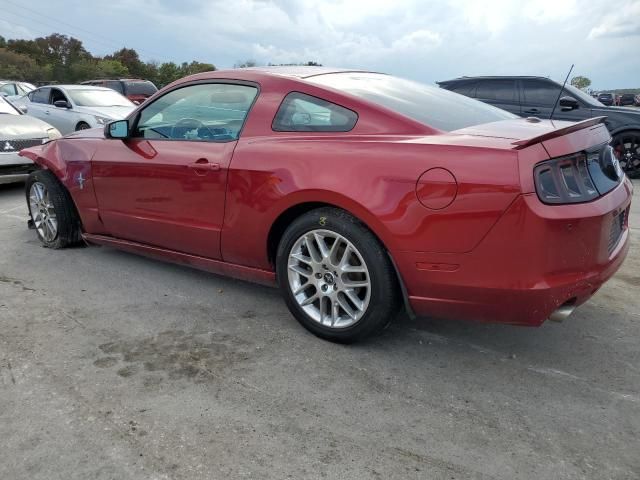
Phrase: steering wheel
[184,125]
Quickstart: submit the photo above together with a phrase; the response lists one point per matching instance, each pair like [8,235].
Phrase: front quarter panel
[70,161]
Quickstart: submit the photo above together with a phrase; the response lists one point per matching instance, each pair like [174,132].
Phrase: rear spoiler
[519,144]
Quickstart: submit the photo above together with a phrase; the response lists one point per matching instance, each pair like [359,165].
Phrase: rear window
[432,106]
[140,88]
[304,113]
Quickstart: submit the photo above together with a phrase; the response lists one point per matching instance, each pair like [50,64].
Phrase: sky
[422,40]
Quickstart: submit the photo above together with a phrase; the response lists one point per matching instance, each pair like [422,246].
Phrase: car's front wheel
[53,214]
[82,126]
[336,277]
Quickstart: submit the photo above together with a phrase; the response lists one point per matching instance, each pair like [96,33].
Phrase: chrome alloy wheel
[42,212]
[329,279]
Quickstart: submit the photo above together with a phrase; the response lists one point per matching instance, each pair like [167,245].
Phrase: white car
[75,107]
[13,90]
[18,131]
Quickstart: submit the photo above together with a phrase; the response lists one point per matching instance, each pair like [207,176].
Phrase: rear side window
[140,88]
[467,89]
[114,85]
[497,90]
[40,96]
[9,89]
[304,113]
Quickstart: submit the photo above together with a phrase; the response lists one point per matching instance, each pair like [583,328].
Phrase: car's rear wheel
[336,277]
[626,146]
[82,126]
[52,211]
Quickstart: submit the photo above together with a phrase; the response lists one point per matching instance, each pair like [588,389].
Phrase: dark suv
[536,96]
[627,99]
[607,99]
[134,89]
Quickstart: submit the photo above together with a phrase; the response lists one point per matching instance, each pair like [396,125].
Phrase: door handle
[532,110]
[46,112]
[203,164]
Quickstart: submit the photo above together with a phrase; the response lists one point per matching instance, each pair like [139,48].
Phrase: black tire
[626,145]
[384,300]
[69,230]
[82,126]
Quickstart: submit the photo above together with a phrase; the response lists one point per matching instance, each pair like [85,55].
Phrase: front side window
[204,112]
[56,95]
[304,113]
[537,92]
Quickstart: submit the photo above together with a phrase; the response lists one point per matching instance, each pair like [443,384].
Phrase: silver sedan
[18,131]
[75,107]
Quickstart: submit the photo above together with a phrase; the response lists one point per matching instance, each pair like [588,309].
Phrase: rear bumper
[535,259]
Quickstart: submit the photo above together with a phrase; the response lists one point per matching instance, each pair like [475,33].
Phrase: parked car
[607,99]
[627,99]
[135,89]
[536,96]
[75,107]
[12,90]
[18,131]
[355,192]
[637,100]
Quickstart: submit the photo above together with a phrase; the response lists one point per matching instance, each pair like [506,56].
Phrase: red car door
[165,186]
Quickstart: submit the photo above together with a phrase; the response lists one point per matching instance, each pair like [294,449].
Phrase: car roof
[493,77]
[77,87]
[116,80]
[300,71]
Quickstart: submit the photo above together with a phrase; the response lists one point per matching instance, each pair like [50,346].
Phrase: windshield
[98,98]
[7,108]
[432,106]
[580,95]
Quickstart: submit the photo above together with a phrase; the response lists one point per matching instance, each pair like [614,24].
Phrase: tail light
[577,178]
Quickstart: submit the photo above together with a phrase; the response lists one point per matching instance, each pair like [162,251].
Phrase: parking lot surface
[114,366]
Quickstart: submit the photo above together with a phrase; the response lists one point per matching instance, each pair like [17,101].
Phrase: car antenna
[560,94]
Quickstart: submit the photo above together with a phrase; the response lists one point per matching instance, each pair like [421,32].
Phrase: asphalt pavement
[114,366]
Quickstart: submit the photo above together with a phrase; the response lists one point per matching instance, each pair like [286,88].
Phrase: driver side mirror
[22,108]
[117,129]
[61,104]
[568,103]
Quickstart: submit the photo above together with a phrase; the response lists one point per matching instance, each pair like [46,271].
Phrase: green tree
[16,66]
[580,82]
[196,67]
[245,64]
[131,60]
[167,73]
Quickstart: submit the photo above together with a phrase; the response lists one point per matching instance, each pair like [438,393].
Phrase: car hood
[604,110]
[115,113]
[22,127]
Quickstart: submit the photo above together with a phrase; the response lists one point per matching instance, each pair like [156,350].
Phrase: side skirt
[240,272]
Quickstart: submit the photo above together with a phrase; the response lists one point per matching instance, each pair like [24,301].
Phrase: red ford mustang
[355,192]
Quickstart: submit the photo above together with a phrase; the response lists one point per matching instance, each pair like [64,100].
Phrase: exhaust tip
[562,312]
